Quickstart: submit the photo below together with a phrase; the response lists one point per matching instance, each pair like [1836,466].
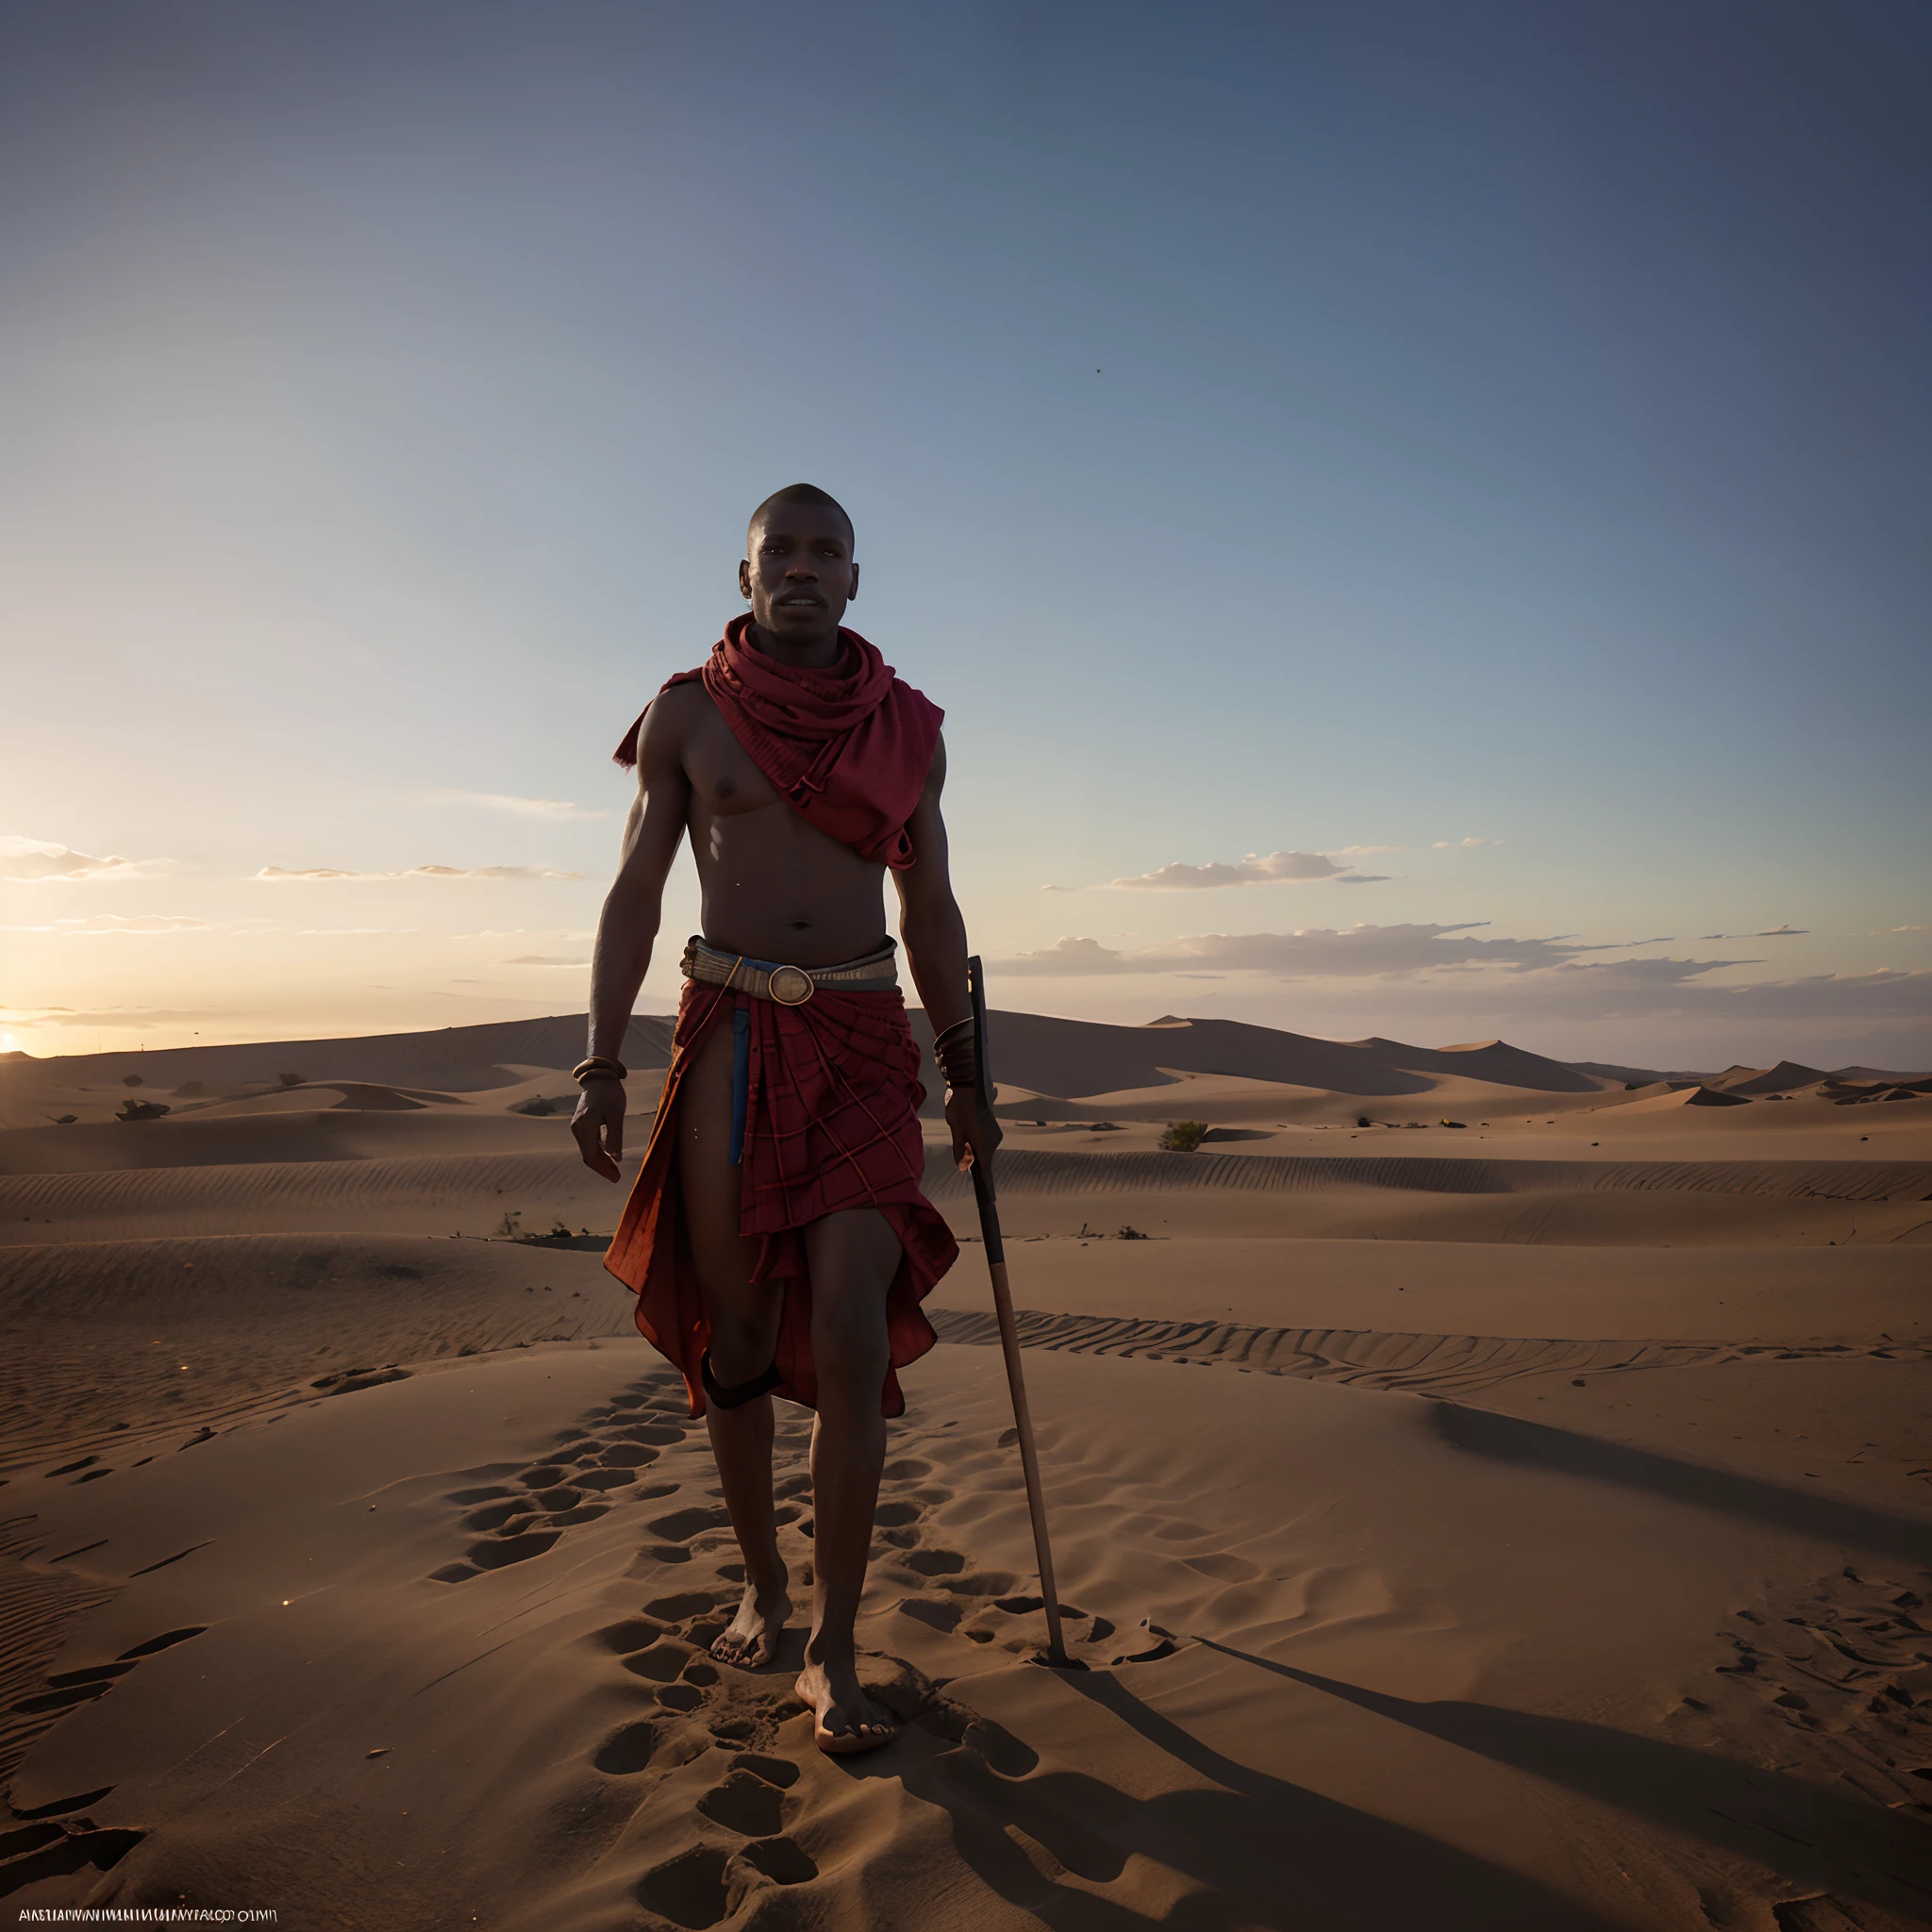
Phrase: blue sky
[1270,431]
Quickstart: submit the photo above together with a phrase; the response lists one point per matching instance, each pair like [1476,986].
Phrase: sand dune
[1695,1095]
[455,1059]
[1785,1078]
[1518,1523]
[1075,1058]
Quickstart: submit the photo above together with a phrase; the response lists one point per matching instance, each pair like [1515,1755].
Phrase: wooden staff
[1010,1333]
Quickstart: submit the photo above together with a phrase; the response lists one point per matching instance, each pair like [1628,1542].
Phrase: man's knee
[741,1346]
[849,1347]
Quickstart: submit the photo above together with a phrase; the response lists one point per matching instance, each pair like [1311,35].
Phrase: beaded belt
[788,986]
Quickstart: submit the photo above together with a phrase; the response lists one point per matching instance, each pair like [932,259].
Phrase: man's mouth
[802,598]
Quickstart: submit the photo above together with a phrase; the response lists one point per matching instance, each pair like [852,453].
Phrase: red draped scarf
[848,749]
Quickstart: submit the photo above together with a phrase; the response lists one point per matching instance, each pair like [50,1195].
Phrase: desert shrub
[555,1103]
[1183,1136]
[289,1079]
[130,1079]
[1134,1234]
[511,1225]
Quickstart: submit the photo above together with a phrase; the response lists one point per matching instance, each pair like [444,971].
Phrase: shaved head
[801,495]
[798,573]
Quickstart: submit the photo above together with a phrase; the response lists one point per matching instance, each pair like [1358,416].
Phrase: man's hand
[598,1124]
[976,1133]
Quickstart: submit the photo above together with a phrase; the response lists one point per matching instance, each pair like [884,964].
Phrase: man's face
[799,572]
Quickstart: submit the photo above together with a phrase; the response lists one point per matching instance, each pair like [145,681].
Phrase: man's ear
[851,595]
[744,579]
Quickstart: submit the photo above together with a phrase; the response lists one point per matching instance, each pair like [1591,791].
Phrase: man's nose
[802,567]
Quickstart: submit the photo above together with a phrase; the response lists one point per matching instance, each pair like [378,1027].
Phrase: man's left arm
[934,937]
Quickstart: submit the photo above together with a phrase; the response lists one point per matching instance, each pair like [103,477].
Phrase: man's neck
[815,654]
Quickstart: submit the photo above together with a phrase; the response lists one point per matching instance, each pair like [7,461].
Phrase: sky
[1417,514]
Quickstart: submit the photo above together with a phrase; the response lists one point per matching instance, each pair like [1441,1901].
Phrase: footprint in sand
[604,1479]
[934,1562]
[681,1525]
[746,1804]
[588,1471]
[499,1555]
[709,1883]
[689,1602]
[691,1888]
[627,1752]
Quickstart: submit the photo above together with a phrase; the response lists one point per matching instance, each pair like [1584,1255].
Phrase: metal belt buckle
[791,986]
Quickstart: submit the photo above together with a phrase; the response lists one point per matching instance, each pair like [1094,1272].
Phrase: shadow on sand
[1509,1439]
[1808,1833]
[1270,1853]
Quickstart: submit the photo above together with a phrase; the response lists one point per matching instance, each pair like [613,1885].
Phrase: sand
[1520,1525]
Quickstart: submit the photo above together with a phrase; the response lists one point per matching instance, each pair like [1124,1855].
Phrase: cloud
[1453,967]
[1356,952]
[1275,869]
[98,925]
[1463,844]
[318,874]
[37,861]
[542,959]
[520,808]
[1769,932]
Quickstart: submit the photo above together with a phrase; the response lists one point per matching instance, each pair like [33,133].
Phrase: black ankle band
[736,1394]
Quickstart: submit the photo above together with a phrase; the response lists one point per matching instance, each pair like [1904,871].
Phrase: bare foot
[844,1718]
[752,1639]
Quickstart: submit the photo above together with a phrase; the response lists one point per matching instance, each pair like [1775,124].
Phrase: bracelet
[957,1054]
[600,1066]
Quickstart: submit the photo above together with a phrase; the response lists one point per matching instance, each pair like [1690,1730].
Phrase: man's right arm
[628,925]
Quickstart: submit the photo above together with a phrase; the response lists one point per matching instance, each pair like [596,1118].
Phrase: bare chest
[725,783]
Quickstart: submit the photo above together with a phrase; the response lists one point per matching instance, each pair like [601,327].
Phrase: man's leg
[744,1336]
[853,1257]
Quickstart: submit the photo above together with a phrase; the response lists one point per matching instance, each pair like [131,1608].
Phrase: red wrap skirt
[830,1121]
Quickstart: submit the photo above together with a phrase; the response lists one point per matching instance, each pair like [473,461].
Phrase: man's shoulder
[682,706]
[684,697]
[664,724]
